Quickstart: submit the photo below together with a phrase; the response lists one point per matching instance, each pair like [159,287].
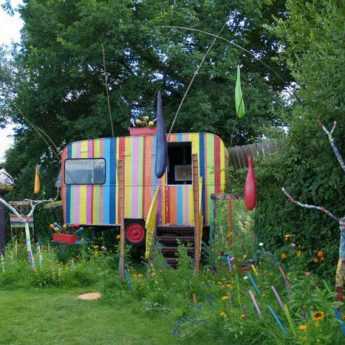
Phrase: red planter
[65,238]
[142,131]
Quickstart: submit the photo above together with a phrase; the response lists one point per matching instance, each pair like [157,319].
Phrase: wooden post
[121,209]
[2,229]
[197,239]
[230,223]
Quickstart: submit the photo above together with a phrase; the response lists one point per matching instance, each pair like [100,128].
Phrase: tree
[62,91]
[312,39]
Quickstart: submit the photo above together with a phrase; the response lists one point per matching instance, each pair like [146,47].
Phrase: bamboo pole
[197,225]
[121,180]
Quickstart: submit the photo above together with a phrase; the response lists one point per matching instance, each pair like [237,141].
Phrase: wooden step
[172,262]
[173,252]
[175,230]
[170,239]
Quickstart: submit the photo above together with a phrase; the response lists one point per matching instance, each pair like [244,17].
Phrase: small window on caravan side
[180,163]
[85,171]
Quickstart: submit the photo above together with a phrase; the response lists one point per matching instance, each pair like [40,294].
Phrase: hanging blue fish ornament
[161,161]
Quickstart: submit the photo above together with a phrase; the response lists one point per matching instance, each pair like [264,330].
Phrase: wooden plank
[230,223]
[196,203]
[121,209]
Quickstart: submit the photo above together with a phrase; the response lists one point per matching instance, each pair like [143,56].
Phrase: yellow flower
[223,314]
[225,298]
[117,237]
[318,316]
[287,237]
[229,286]
[283,256]
[298,253]
[243,316]
[302,328]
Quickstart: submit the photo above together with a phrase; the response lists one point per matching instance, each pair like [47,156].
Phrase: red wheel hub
[135,233]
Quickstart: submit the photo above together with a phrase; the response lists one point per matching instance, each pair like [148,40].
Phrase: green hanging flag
[239,103]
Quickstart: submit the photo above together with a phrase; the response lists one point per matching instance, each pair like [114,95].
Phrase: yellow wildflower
[302,328]
[287,237]
[118,237]
[318,316]
[225,297]
[283,256]
[223,314]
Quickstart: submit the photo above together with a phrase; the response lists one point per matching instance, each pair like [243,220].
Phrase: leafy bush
[312,38]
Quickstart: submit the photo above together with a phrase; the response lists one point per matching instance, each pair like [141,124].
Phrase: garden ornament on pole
[340,273]
[250,186]
[25,220]
[161,161]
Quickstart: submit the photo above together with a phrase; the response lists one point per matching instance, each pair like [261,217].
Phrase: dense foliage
[313,47]
[60,87]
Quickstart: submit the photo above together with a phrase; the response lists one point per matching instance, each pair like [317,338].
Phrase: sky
[9,33]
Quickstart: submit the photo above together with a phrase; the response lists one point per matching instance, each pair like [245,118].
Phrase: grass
[159,305]
[52,316]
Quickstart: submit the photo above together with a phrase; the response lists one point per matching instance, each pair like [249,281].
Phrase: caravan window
[180,163]
[85,171]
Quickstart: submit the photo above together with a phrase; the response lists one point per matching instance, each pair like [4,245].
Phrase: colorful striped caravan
[90,189]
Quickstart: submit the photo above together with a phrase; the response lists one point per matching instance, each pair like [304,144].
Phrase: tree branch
[333,145]
[319,208]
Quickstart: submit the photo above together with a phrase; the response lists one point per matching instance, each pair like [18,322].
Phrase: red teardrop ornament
[250,186]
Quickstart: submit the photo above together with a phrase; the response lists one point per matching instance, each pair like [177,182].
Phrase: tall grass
[87,268]
[252,302]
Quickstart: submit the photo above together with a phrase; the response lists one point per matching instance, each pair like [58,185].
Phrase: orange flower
[320,254]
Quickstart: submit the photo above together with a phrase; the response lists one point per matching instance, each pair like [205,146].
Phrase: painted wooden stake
[255,303]
[121,179]
[197,225]
[2,229]
[230,224]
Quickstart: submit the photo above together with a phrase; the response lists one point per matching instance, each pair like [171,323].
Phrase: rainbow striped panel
[97,204]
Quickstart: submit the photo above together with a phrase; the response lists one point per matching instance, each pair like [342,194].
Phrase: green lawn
[49,317]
